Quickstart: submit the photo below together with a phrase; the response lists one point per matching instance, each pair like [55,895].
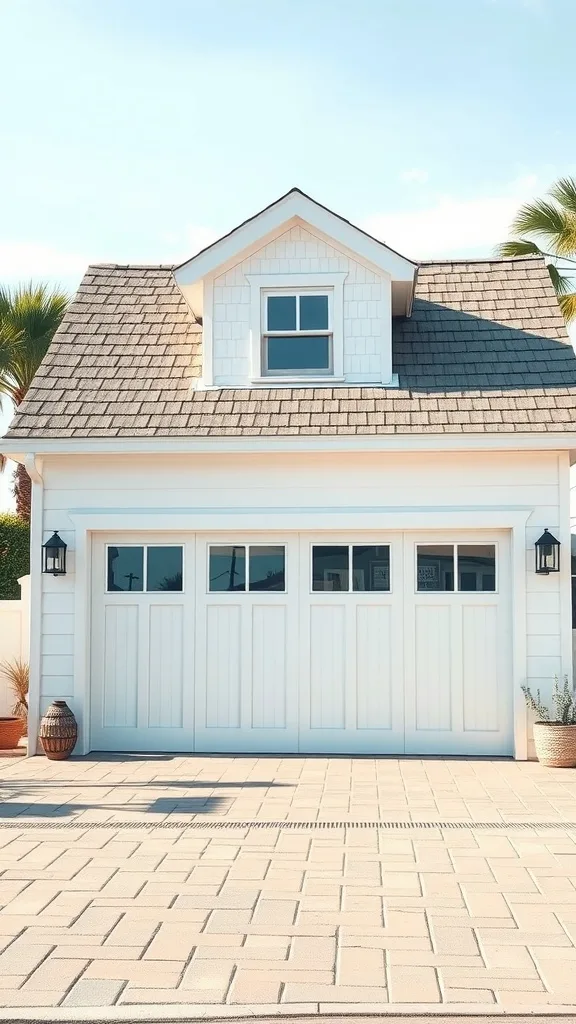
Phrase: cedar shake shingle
[485,350]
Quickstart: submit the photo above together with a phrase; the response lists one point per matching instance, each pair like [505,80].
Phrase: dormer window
[297,337]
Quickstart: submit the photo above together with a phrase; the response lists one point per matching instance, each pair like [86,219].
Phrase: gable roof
[486,350]
[294,207]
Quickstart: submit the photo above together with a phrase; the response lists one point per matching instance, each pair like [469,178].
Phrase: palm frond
[562,284]
[564,192]
[518,247]
[29,317]
[568,306]
[548,221]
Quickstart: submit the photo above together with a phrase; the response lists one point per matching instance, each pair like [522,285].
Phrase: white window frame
[350,546]
[327,332]
[262,285]
[144,546]
[247,545]
[455,546]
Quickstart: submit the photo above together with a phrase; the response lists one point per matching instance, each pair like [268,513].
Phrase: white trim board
[18,448]
[202,520]
[295,205]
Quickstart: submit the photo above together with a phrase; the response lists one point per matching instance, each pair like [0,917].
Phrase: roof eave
[294,204]
[19,449]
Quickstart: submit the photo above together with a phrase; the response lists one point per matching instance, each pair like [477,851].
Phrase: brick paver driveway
[240,884]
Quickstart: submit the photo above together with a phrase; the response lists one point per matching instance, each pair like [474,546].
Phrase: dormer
[297,296]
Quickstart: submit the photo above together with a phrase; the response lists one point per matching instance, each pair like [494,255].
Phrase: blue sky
[139,130]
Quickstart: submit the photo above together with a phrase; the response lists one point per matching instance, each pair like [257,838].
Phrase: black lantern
[547,554]
[54,556]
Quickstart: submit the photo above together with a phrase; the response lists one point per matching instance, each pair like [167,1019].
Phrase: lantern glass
[54,556]
[547,554]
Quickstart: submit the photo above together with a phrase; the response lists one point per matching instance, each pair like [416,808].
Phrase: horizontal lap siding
[323,481]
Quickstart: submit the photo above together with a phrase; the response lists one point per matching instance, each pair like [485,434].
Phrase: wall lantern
[547,554]
[54,556]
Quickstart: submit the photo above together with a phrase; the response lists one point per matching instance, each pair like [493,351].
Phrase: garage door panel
[458,651]
[374,667]
[269,666]
[327,666]
[121,650]
[165,686]
[480,651]
[433,642]
[223,666]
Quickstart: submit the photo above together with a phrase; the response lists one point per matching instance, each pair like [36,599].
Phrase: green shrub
[14,554]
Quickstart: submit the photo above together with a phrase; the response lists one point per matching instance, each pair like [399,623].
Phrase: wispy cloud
[454,225]
[416,174]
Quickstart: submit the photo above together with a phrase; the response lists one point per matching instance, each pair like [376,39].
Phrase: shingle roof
[486,349]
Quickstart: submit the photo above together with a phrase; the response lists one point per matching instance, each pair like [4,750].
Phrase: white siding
[325,482]
[367,313]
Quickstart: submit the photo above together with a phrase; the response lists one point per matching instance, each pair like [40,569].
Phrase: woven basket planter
[555,744]
[11,732]
[58,731]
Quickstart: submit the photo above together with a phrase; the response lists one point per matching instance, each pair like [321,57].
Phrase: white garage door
[356,643]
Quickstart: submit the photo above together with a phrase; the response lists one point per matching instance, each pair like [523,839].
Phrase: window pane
[298,353]
[371,568]
[573,552]
[267,568]
[330,568]
[313,313]
[164,565]
[435,569]
[126,568]
[228,568]
[281,313]
[476,567]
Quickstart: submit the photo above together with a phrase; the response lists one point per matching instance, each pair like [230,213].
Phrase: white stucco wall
[14,639]
[491,484]
[367,315]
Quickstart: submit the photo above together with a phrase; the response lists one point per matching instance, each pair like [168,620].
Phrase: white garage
[370,643]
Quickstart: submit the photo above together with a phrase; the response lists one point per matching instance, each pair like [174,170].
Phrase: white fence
[14,638]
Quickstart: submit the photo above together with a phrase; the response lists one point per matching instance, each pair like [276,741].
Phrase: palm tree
[553,223]
[30,314]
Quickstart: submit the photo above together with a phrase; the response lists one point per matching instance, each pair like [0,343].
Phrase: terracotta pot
[11,731]
[555,744]
[58,731]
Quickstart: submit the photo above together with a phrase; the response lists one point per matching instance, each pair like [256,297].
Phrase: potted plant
[554,738]
[12,727]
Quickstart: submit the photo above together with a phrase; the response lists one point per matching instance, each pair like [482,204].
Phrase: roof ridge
[532,258]
[132,266]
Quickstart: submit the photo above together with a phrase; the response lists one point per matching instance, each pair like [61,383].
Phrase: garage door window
[138,568]
[350,567]
[228,565]
[475,567]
